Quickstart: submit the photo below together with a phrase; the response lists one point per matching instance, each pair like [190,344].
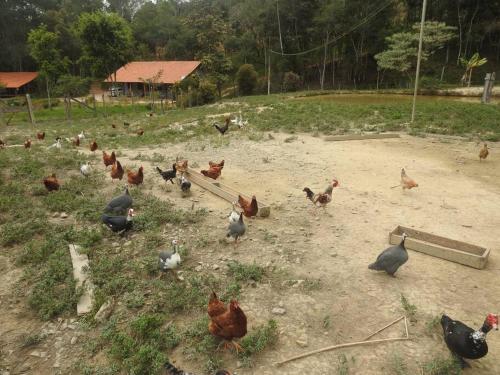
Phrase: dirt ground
[458,197]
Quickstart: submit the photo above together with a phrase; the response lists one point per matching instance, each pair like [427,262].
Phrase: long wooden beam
[224,191]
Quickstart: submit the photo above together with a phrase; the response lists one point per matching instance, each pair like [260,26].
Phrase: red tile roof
[14,80]
[138,71]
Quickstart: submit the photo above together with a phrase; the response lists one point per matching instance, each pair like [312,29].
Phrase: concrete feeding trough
[441,247]
[224,191]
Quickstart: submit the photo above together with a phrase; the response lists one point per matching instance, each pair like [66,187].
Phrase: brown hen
[135,178]
[219,165]
[117,171]
[93,146]
[27,143]
[212,172]
[76,141]
[250,208]
[51,183]
[483,154]
[108,159]
[228,324]
[40,136]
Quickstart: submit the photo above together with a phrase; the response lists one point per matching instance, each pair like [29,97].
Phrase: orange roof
[138,71]
[14,80]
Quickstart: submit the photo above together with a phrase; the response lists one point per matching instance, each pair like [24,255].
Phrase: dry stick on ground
[365,342]
[387,326]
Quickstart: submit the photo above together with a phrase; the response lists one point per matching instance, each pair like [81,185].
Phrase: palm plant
[474,62]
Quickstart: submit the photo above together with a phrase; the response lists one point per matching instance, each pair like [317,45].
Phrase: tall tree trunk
[446,62]
[324,61]
[460,37]
[48,92]
[469,32]
[333,69]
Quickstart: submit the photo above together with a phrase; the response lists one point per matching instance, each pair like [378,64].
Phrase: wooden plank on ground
[359,137]
[224,191]
[80,273]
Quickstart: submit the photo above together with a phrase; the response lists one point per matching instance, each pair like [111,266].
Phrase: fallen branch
[387,326]
[366,341]
[340,346]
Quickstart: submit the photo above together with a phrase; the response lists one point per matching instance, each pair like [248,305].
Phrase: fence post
[489,82]
[31,112]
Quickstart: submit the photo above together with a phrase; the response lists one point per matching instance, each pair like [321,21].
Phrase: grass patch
[31,340]
[442,366]
[245,272]
[397,365]
[410,310]
[342,365]
[433,325]
[256,341]
[139,349]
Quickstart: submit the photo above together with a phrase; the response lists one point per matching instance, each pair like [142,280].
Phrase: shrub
[291,81]
[247,79]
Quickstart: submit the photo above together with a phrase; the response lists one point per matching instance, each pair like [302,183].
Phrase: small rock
[281,304]
[115,244]
[55,214]
[278,311]
[198,268]
[128,243]
[301,343]
[64,215]
[215,267]
[239,364]
[104,312]
[73,340]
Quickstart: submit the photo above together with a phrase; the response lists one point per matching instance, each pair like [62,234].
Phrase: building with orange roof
[139,76]
[14,83]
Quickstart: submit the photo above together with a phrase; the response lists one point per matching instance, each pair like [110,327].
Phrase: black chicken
[120,224]
[222,128]
[463,341]
[168,175]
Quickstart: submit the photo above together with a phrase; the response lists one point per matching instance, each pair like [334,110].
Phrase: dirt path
[458,197]
[342,300]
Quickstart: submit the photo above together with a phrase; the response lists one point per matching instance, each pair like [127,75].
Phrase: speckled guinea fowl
[391,258]
[120,204]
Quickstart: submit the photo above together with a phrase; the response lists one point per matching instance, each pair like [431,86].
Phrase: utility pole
[279,25]
[419,60]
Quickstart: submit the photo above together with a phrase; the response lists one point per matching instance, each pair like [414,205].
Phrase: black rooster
[168,175]
[222,128]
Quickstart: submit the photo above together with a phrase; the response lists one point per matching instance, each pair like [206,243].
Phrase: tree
[107,42]
[43,48]
[401,55]
[218,66]
[247,79]
[474,62]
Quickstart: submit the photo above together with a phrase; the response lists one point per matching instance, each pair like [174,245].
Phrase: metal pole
[419,59]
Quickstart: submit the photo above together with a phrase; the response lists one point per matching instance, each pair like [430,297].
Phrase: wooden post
[419,60]
[31,112]
[489,82]
[103,105]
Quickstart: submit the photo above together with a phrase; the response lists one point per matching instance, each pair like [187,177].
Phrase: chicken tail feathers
[309,194]
[159,170]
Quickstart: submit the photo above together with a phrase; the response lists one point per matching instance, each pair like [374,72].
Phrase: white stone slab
[80,264]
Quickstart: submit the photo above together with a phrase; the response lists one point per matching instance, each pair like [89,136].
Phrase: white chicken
[81,136]
[57,144]
[85,169]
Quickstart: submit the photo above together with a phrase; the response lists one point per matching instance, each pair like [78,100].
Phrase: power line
[357,26]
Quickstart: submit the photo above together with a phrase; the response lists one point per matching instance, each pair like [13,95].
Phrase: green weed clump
[442,366]
[140,348]
[259,339]
[245,272]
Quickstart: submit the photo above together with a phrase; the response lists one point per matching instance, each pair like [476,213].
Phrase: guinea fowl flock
[229,322]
